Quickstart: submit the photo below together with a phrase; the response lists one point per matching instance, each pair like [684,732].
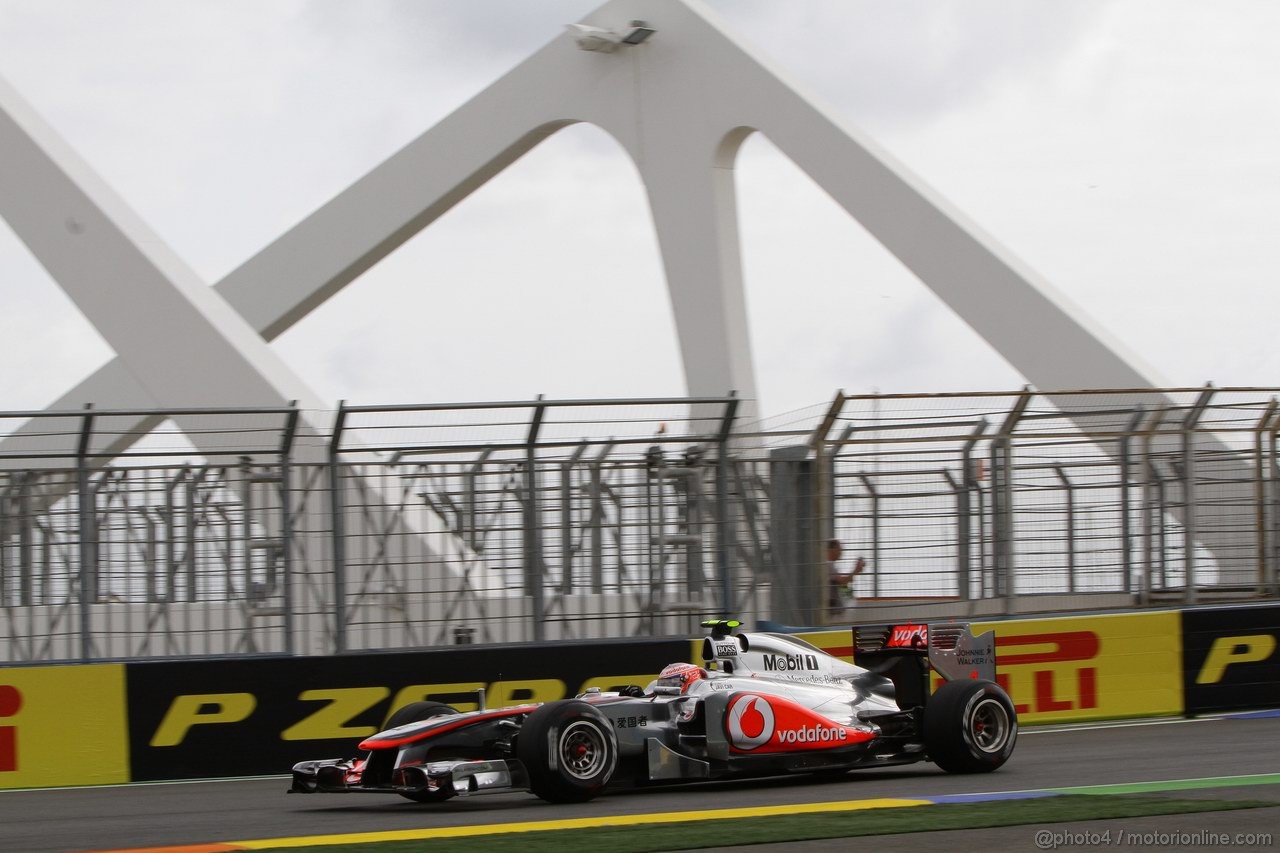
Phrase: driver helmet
[681,675]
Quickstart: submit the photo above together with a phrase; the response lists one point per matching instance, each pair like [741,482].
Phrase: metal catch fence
[232,532]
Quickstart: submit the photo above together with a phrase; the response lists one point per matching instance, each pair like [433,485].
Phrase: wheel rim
[583,751]
[989,725]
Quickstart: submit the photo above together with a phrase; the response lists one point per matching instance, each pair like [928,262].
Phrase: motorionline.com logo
[1048,840]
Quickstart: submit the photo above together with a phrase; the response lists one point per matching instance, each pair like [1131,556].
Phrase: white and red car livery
[759,724]
[760,703]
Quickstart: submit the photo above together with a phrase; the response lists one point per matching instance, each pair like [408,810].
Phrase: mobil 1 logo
[790,663]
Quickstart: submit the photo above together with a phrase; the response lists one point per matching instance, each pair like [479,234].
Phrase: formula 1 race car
[761,704]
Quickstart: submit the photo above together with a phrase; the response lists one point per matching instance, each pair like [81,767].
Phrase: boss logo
[790,663]
[726,650]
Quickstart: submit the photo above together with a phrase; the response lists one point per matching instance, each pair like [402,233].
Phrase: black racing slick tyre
[569,750]
[970,726]
[416,712]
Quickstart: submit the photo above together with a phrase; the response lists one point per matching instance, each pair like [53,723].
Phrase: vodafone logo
[764,724]
[909,636]
[750,722]
[812,734]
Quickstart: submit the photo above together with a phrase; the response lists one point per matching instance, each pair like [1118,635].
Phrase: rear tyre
[970,726]
[417,712]
[569,750]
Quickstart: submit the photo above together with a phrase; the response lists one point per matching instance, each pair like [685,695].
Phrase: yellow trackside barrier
[63,725]
[1078,667]
[1091,667]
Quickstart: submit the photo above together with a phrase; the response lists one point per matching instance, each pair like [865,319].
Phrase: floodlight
[638,33]
[607,41]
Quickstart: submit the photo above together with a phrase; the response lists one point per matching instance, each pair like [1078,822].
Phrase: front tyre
[417,712]
[970,726]
[569,750]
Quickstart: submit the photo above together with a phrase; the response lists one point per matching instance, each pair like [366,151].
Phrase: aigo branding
[769,724]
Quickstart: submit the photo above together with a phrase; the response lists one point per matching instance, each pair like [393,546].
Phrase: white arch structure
[680,104]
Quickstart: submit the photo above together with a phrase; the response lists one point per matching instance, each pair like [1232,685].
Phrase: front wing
[443,778]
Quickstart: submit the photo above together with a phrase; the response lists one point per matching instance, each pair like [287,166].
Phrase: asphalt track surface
[57,821]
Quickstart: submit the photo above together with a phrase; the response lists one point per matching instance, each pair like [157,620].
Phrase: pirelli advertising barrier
[97,724]
[1090,667]
[1079,668]
[1231,658]
[210,718]
[63,725]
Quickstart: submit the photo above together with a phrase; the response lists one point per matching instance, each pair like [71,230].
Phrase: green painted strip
[790,828]
[1173,785]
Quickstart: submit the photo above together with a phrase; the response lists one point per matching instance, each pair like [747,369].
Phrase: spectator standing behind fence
[840,584]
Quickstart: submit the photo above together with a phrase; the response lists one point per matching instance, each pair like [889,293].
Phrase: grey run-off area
[195,812]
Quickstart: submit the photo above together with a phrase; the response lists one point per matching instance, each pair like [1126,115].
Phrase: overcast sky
[1129,151]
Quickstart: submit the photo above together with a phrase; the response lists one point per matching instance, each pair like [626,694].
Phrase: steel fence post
[337,510]
[985,512]
[964,511]
[724,528]
[875,533]
[1002,500]
[189,535]
[962,532]
[1071,527]
[26,520]
[1126,520]
[473,473]
[1260,491]
[1273,472]
[566,518]
[997,524]
[533,564]
[596,520]
[1162,532]
[1152,515]
[88,536]
[1189,425]
[824,529]
[286,523]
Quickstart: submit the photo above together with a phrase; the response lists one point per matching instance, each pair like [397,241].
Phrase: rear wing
[905,652]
